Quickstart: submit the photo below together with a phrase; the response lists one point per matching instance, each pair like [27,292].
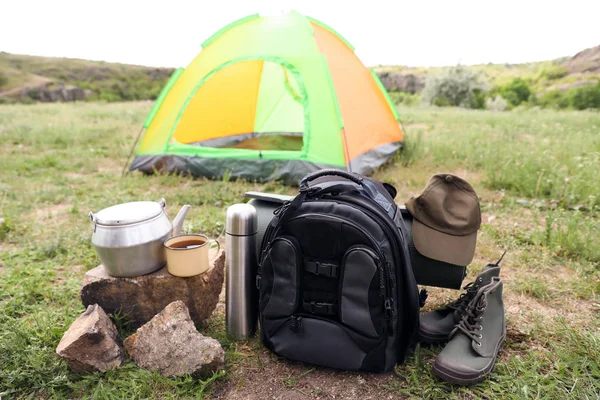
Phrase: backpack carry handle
[368,187]
[304,189]
[330,172]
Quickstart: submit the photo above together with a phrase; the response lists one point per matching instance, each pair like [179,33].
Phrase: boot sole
[467,379]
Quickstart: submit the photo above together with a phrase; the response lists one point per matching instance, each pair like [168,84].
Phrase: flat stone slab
[140,298]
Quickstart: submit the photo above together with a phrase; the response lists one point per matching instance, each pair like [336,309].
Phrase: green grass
[537,154]
[566,367]
[535,173]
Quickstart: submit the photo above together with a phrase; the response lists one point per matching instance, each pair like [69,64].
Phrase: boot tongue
[483,292]
[470,322]
[463,302]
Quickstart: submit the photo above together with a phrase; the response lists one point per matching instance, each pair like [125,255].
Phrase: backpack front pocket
[362,291]
[280,279]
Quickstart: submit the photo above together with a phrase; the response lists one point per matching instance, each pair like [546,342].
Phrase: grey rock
[586,61]
[171,345]
[54,92]
[140,298]
[397,82]
[91,343]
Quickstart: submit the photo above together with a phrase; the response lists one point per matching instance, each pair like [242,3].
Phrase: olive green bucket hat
[446,220]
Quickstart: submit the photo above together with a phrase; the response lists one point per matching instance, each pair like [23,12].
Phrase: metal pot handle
[93,219]
[162,202]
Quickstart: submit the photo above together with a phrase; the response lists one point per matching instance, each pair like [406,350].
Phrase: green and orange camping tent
[271,97]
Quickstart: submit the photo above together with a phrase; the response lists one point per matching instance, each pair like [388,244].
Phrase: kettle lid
[128,213]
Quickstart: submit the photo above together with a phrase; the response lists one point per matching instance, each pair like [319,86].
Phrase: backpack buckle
[314,307]
[321,268]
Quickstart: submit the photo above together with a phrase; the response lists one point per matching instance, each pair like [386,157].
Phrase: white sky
[416,32]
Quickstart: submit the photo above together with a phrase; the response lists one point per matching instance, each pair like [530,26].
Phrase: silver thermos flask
[240,261]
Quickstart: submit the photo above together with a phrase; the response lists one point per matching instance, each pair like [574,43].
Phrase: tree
[516,92]
[583,97]
[455,86]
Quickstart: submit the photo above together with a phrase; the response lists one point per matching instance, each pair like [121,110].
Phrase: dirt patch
[473,177]
[515,222]
[74,175]
[264,376]
[415,127]
[51,211]
[35,81]
[64,274]
[6,246]
[526,311]
[527,138]
[109,165]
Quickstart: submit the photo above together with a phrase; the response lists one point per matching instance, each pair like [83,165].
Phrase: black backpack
[336,287]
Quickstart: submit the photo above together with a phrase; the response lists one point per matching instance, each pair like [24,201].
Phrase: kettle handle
[162,202]
[93,219]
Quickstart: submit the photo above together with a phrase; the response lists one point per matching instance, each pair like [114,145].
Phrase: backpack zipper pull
[263,254]
[390,315]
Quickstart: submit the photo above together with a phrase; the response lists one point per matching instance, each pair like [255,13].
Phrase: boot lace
[470,324]
[465,298]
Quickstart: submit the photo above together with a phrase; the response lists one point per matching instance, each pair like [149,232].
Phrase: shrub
[516,92]
[3,80]
[455,86]
[496,104]
[585,97]
[477,101]
[552,73]
[109,97]
[26,100]
[6,100]
[554,99]
[404,98]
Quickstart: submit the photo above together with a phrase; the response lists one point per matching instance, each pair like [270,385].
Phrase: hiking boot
[474,343]
[435,326]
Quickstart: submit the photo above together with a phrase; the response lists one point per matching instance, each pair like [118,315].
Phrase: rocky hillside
[31,78]
[564,73]
[586,61]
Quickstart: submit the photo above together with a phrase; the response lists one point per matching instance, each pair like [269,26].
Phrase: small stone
[140,298]
[91,343]
[171,345]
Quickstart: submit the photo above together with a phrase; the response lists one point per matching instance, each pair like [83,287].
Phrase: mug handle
[218,248]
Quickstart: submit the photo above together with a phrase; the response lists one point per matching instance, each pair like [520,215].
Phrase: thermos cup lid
[241,219]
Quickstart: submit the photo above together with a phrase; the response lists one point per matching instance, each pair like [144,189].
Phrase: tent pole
[348,168]
[123,173]
[404,131]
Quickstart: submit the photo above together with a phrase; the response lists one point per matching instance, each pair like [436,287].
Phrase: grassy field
[536,173]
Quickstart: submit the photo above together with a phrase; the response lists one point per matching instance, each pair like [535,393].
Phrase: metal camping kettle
[129,237]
